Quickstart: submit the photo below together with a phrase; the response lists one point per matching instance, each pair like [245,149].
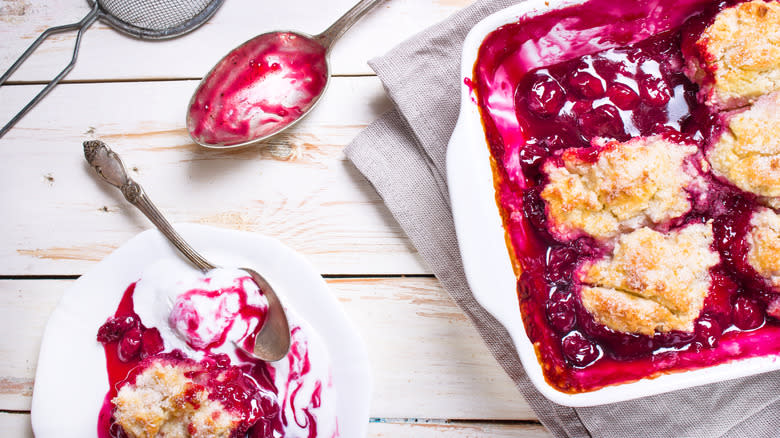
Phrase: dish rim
[483,248]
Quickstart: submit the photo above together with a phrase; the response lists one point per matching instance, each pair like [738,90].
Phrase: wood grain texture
[17,425]
[427,360]
[106,54]
[392,429]
[298,187]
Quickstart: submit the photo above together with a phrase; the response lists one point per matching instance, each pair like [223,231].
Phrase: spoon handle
[334,32]
[109,166]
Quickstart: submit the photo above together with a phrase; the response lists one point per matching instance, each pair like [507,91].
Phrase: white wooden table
[433,375]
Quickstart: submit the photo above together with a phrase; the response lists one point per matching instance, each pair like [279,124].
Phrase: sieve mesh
[157,18]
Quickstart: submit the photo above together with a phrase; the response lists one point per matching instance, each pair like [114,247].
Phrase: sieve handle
[334,32]
[81,26]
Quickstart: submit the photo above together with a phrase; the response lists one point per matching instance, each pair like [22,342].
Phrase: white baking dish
[483,246]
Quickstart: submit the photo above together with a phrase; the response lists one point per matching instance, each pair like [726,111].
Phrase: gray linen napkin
[403,155]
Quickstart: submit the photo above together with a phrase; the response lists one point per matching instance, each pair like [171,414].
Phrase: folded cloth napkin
[403,155]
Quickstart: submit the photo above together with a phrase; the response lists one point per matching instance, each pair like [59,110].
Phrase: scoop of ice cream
[206,312]
[204,317]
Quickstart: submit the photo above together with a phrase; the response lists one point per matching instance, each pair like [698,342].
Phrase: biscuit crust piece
[764,246]
[629,185]
[652,281]
[747,154]
[737,58]
[164,402]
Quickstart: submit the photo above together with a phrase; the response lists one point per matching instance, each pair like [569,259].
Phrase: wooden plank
[108,54]
[25,307]
[422,429]
[18,426]
[427,360]
[299,187]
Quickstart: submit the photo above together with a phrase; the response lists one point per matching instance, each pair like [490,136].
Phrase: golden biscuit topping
[764,245]
[164,402]
[652,281]
[742,50]
[631,184]
[748,152]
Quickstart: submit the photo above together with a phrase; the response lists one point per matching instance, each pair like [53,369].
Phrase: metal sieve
[144,19]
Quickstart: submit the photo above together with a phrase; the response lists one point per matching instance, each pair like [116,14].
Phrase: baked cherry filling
[549,99]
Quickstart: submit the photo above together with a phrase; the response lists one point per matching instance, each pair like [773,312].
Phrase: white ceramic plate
[71,381]
[483,247]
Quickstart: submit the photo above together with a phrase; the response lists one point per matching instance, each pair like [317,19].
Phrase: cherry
[130,345]
[579,350]
[627,346]
[746,313]
[531,155]
[545,96]
[560,312]
[128,321]
[581,107]
[269,408]
[654,92]
[553,143]
[151,343]
[560,261]
[115,327]
[623,96]
[602,121]
[708,331]
[586,85]
[718,300]
[237,392]
[534,208]
[109,332]
[672,338]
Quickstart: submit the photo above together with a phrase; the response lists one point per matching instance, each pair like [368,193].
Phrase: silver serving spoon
[273,340]
[265,85]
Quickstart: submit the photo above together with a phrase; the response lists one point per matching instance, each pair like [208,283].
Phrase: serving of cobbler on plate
[177,363]
[145,345]
[636,164]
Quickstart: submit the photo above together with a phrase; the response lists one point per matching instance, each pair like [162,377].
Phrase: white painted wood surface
[107,54]
[433,375]
[18,425]
[300,189]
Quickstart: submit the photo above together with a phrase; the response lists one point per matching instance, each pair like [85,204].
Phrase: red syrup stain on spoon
[258,89]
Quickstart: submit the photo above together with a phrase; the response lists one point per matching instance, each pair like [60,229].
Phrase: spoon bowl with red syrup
[265,85]
[272,341]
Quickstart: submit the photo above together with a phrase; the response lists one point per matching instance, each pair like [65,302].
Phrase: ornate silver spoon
[273,340]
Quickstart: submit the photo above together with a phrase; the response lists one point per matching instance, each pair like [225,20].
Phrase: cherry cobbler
[636,156]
